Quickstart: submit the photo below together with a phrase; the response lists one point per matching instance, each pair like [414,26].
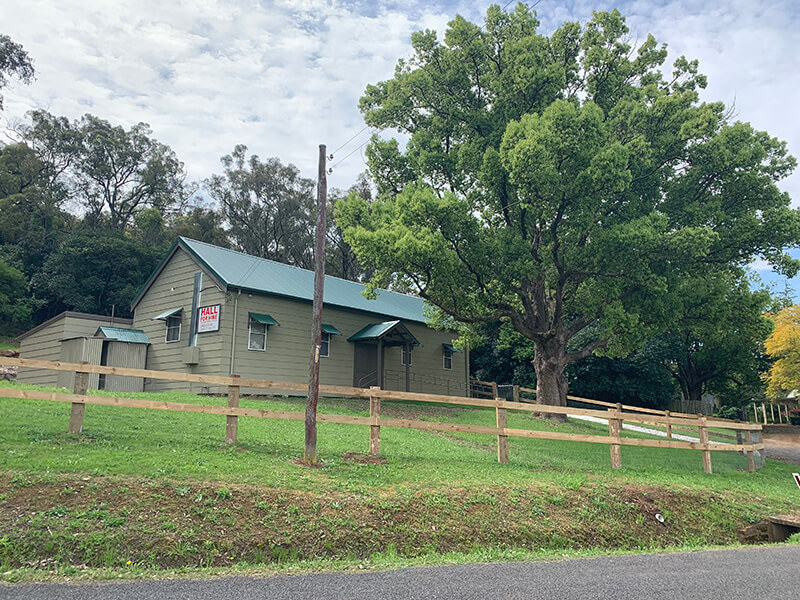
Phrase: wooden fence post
[614,428]
[772,411]
[375,413]
[502,440]
[764,412]
[494,389]
[755,412]
[516,393]
[748,439]
[232,426]
[78,408]
[703,429]
[669,425]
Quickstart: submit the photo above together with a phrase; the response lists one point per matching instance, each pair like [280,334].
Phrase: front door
[365,365]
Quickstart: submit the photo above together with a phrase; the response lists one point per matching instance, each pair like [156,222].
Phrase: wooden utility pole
[316,327]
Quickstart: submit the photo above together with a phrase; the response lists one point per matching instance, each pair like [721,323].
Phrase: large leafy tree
[561,182]
[268,207]
[14,62]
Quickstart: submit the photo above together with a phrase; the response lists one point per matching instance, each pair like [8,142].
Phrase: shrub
[794,416]
[729,412]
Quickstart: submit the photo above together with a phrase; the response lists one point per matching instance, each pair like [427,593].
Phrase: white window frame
[447,355]
[169,328]
[325,345]
[250,335]
[410,356]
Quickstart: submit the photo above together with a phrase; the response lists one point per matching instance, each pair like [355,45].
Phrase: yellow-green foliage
[783,345]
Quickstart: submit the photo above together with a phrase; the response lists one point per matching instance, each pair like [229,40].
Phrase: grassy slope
[159,489]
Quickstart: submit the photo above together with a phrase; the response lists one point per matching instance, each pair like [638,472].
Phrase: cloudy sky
[282,77]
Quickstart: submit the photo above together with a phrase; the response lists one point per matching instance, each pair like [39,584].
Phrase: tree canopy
[716,342]
[14,62]
[561,182]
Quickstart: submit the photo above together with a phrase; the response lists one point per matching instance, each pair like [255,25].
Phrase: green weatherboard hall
[214,311]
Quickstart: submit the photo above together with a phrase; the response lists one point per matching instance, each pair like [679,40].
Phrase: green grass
[137,479]
[8,345]
[153,443]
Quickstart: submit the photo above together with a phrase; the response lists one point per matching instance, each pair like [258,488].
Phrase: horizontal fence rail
[615,415]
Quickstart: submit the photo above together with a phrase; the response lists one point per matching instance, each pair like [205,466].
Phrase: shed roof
[135,336]
[250,273]
[74,315]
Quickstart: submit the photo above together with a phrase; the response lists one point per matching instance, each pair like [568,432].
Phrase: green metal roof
[330,329]
[135,336]
[450,347]
[167,313]
[372,331]
[265,319]
[250,273]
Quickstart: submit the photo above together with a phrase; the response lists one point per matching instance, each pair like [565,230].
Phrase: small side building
[75,337]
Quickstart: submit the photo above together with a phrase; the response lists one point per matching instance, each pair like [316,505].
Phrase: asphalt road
[758,572]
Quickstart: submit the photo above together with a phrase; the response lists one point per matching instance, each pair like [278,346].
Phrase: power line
[350,140]
[340,161]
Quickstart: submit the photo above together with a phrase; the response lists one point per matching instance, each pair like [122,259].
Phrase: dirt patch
[782,442]
[305,463]
[364,459]
[109,521]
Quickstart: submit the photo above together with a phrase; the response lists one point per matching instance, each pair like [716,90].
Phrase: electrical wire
[340,161]
[350,140]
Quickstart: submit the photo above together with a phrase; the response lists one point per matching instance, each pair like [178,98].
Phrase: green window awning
[330,329]
[450,347]
[168,313]
[265,319]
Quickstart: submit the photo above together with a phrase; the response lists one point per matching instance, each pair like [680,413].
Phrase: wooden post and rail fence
[778,412]
[614,415]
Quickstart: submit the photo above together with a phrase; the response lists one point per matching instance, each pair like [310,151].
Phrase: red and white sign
[209,319]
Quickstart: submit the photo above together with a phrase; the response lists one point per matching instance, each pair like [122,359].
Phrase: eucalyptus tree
[268,206]
[560,182]
[110,173]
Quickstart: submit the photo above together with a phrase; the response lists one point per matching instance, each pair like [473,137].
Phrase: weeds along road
[758,572]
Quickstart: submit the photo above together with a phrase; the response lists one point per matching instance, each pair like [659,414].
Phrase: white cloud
[282,77]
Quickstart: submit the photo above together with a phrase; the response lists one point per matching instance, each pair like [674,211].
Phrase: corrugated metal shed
[135,336]
[251,273]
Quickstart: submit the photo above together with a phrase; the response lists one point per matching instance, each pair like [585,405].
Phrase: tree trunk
[551,383]
[695,396]
[692,384]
